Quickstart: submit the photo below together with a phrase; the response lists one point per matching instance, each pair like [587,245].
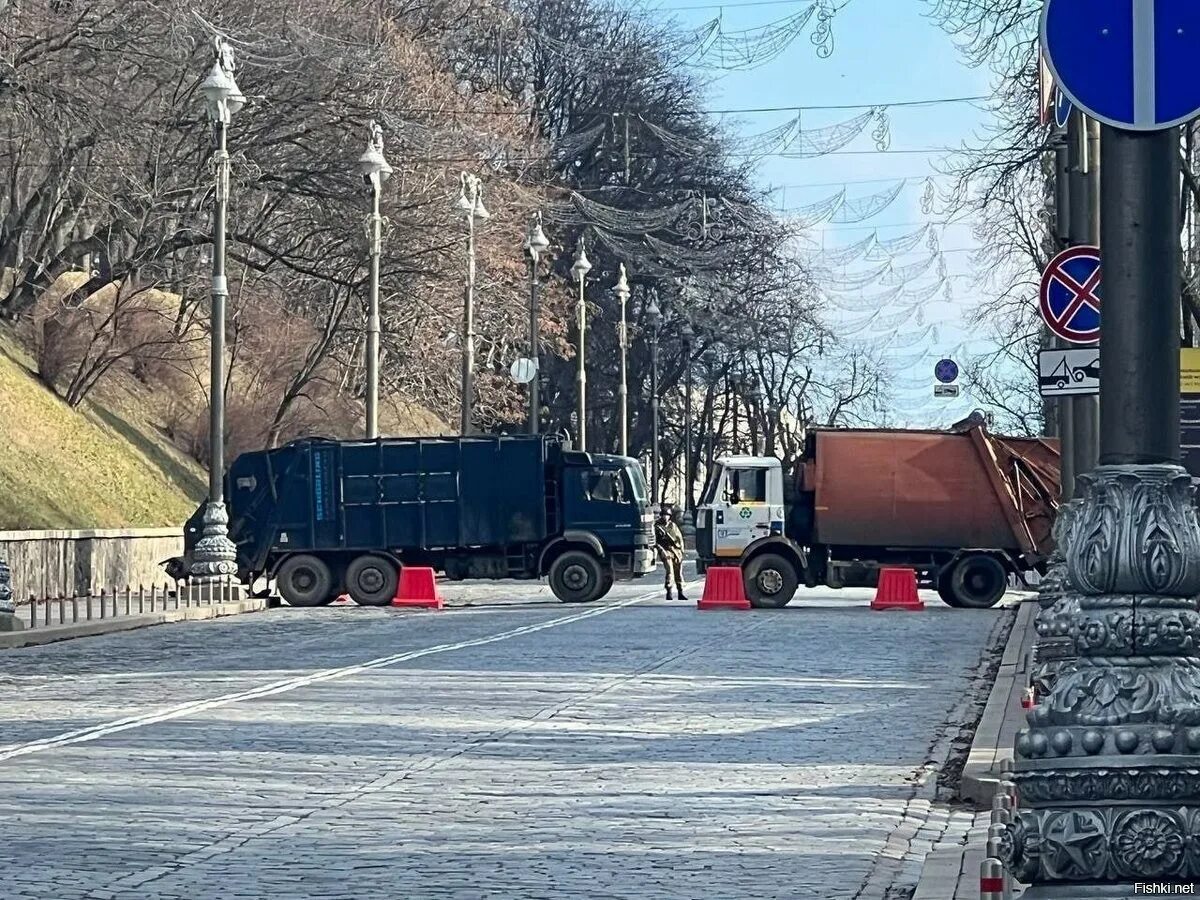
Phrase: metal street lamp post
[375,171]
[622,292]
[579,269]
[654,318]
[1106,771]
[215,556]
[470,202]
[535,244]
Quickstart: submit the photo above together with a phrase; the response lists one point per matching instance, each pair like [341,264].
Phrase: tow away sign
[1068,373]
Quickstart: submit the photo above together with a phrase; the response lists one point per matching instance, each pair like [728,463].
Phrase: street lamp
[470,203]
[374,169]
[689,337]
[622,291]
[535,244]
[215,556]
[579,269]
[654,319]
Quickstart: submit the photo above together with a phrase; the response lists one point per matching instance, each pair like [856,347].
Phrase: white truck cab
[744,499]
[740,522]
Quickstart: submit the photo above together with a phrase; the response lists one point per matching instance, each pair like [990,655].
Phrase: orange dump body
[927,489]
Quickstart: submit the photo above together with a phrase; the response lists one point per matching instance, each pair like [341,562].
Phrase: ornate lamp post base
[212,577]
[1108,772]
[8,612]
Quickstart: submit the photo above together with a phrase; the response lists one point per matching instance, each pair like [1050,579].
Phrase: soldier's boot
[670,596]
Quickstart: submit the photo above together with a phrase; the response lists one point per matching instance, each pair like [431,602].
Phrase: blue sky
[884,51]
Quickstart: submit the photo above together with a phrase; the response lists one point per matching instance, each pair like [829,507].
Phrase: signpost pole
[1066,405]
[1139,376]
[1084,410]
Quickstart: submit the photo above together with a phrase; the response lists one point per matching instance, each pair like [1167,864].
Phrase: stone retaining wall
[49,563]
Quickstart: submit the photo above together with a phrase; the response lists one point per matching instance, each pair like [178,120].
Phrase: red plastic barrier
[417,589]
[897,590]
[723,589]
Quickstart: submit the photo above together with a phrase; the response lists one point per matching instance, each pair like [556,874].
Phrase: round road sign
[523,370]
[1070,295]
[1126,63]
[946,371]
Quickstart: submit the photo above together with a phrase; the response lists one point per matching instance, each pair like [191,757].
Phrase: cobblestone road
[522,750]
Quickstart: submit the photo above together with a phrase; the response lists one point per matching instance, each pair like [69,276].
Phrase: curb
[33,637]
[1003,716]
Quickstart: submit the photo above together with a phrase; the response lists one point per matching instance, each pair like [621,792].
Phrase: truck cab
[605,509]
[740,522]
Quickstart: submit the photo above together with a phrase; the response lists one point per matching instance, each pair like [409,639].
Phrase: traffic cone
[723,589]
[417,589]
[897,590]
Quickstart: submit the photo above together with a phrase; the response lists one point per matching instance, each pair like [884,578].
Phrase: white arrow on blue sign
[1128,63]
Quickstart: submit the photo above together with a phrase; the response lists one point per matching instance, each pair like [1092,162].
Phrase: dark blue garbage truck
[324,518]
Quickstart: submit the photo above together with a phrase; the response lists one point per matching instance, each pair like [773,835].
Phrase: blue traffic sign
[1128,63]
[1062,108]
[1070,295]
[946,371]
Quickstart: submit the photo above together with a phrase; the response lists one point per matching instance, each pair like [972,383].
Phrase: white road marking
[94,732]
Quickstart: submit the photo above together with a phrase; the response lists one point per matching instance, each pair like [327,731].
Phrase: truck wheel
[371,580]
[305,581]
[576,577]
[977,582]
[945,591]
[771,582]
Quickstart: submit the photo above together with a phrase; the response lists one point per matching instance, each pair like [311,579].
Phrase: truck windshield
[605,485]
[710,489]
[637,483]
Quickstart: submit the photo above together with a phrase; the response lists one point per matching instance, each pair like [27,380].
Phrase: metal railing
[111,603]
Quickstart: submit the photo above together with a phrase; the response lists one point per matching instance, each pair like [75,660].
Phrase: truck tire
[577,577]
[944,590]
[975,582]
[371,580]
[771,582]
[305,581]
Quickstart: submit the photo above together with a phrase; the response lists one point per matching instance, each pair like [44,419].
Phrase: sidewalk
[32,637]
[951,871]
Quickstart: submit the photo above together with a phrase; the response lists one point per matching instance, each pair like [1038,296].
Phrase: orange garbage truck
[964,508]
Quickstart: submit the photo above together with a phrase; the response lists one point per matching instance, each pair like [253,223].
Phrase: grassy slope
[99,467]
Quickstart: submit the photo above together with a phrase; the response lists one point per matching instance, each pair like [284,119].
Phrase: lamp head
[622,286]
[536,242]
[653,313]
[581,266]
[222,96]
[373,165]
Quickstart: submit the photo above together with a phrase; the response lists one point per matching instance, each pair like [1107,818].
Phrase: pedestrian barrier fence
[109,603]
